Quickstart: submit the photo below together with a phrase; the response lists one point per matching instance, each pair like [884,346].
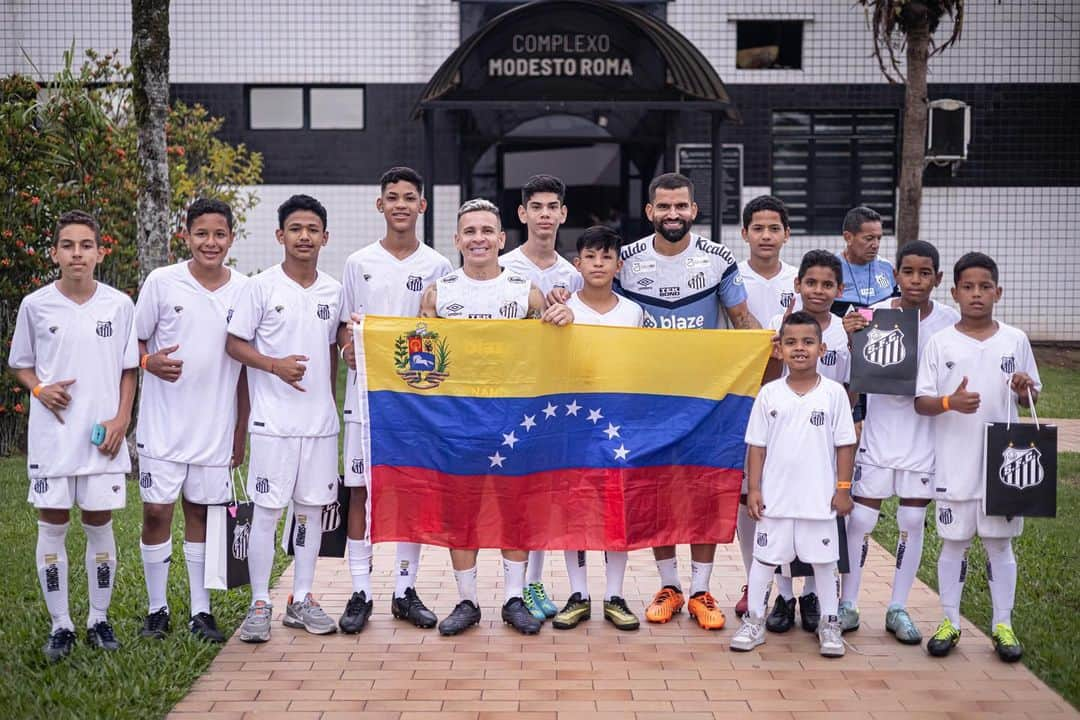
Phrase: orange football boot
[664,604]
[702,607]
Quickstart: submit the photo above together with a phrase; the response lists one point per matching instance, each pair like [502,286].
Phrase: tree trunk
[150,94]
[913,142]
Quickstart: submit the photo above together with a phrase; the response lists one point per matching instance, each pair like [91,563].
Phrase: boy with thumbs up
[970,374]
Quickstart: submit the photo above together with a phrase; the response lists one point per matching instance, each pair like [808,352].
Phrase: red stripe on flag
[580,509]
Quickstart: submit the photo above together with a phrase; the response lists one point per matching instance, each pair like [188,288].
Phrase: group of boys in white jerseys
[206,336]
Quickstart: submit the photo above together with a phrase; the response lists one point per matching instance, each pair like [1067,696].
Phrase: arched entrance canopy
[576,56]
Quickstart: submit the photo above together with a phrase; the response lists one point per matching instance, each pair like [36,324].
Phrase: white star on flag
[497,459]
[528,423]
[595,416]
[509,439]
[612,431]
[549,411]
[621,452]
[572,408]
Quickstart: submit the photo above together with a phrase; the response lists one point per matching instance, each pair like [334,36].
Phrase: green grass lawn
[1060,375]
[1046,615]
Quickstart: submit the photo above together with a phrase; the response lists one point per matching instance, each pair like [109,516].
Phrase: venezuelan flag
[523,435]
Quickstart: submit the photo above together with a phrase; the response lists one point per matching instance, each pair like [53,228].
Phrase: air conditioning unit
[948,131]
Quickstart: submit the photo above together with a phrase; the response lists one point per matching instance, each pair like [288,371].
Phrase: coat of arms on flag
[422,358]
[885,347]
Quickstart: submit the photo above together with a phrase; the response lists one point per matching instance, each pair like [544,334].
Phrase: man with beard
[682,281]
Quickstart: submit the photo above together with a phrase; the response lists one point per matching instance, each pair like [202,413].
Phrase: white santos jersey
[505,296]
[190,420]
[767,296]
[626,313]
[800,434]
[835,364]
[949,357]
[562,274]
[281,318]
[92,344]
[376,282]
[894,435]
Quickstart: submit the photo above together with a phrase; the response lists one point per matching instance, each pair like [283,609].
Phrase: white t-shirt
[377,283]
[190,420]
[800,434]
[562,274]
[767,296]
[503,297]
[894,435]
[282,318]
[949,357]
[835,364]
[93,344]
[626,313]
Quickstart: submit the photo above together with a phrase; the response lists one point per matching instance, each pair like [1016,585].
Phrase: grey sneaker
[309,615]
[750,635]
[830,639]
[899,623]
[256,627]
[849,616]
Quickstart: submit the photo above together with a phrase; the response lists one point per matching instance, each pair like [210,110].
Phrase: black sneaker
[357,612]
[102,636]
[809,612]
[782,617]
[156,625]
[59,645]
[204,627]
[515,614]
[412,608]
[463,617]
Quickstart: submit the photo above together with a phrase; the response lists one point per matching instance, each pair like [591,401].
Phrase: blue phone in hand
[97,435]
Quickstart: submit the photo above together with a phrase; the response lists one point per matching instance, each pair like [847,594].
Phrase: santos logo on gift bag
[331,517]
[1021,468]
[885,347]
[241,536]
[333,530]
[885,354]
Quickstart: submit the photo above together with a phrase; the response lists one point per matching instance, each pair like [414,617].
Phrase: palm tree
[909,26]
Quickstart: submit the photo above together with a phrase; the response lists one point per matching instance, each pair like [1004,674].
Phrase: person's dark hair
[856,217]
[821,258]
[599,237]
[77,217]
[918,248]
[401,174]
[300,202]
[763,203]
[800,317]
[543,184]
[975,260]
[670,181]
[209,206]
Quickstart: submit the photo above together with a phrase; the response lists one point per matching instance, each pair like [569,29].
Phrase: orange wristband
[846,485]
[945,402]
[143,359]
[36,392]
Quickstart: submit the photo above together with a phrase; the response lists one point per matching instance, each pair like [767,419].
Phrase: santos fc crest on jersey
[422,358]
[885,347]
[1021,468]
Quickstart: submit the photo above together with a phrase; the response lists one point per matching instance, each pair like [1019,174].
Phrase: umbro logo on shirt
[279,308]
[949,364]
[644,282]
[104,328]
[415,283]
[178,309]
[454,307]
[323,312]
[367,276]
[53,329]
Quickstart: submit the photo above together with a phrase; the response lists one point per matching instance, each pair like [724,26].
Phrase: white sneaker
[830,639]
[750,635]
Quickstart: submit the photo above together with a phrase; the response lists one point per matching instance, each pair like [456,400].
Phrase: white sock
[911,522]
[745,527]
[784,587]
[514,578]
[100,570]
[52,567]
[264,523]
[614,572]
[1001,572]
[758,584]
[577,572]
[407,564]
[669,573]
[156,560]
[466,585]
[195,559]
[951,572]
[860,523]
[809,585]
[359,552]
[700,574]
[307,539]
[535,571]
[828,579]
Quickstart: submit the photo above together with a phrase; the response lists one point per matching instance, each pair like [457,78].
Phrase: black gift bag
[801,569]
[1020,467]
[334,524]
[885,354]
[228,534]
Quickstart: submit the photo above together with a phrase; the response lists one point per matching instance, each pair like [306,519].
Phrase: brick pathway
[395,672]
